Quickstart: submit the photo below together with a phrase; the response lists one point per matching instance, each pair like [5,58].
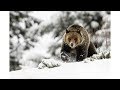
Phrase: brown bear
[77,43]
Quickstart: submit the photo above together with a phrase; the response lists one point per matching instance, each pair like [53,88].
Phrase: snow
[22,25]
[14,40]
[94,24]
[34,55]
[44,15]
[52,68]
[93,69]
[49,63]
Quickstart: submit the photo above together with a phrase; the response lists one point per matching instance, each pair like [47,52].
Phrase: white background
[4,44]
[115,47]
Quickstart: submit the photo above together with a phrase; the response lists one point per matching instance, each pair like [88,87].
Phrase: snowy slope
[74,70]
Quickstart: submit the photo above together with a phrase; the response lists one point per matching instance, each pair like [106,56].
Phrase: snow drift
[76,70]
[53,69]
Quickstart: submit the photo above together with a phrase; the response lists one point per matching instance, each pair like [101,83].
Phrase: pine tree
[20,24]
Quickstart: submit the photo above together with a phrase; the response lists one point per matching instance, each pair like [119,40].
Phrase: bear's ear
[67,31]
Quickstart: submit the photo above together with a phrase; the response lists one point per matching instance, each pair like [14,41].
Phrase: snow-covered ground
[74,70]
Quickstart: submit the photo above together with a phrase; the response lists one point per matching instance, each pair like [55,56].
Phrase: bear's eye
[69,39]
[75,39]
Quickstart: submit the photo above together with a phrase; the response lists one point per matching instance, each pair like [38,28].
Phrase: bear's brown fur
[77,40]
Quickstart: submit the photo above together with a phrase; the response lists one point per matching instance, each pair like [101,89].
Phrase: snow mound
[94,67]
[49,63]
[99,56]
[75,70]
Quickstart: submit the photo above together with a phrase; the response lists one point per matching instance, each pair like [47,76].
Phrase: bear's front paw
[65,57]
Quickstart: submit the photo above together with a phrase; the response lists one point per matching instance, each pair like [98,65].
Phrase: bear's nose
[72,44]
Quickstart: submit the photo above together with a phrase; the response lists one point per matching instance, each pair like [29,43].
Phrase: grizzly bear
[77,43]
